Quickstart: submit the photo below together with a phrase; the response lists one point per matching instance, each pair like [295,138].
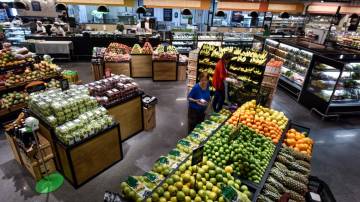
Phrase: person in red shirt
[219,77]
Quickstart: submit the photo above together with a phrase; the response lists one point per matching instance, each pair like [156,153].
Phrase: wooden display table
[164,70]
[130,116]
[141,66]
[83,160]
[119,68]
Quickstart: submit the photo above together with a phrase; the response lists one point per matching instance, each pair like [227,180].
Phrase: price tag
[184,143]
[151,177]
[197,155]
[163,160]
[64,84]
[175,153]
[132,182]
[229,193]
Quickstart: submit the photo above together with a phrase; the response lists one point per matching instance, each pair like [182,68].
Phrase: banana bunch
[258,61]
[205,52]
[216,54]
[227,49]
[237,51]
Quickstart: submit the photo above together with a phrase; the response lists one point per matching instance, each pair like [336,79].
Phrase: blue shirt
[198,93]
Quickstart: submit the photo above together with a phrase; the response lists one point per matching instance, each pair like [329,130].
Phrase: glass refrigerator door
[323,80]
[348,88]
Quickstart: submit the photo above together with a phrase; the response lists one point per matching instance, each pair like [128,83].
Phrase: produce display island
[238,155]
[119,68]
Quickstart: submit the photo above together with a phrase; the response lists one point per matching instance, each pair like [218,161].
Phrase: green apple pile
[241,150]
[203,182]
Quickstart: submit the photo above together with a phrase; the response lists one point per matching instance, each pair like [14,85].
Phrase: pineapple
[280,166]
[298,177]
[278,174]
[263,198]
[283,160]
[296,197]
[279,186]
[289,157]
[296,155]
[271,195]
[271,188]
[296,186]
[297,167]
[304,164]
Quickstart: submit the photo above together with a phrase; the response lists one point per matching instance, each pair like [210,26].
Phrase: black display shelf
[272,161]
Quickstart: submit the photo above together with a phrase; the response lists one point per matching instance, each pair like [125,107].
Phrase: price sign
[229,193]
[167,14]
[64,84]
[197,155]
[35,86]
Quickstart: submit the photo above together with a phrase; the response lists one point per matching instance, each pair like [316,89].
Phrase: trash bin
[319,189]
[149,110]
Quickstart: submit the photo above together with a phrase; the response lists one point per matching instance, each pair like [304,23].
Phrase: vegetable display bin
[119,68]
[164,70]
[141,66]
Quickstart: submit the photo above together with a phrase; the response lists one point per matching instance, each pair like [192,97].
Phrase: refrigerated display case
[16,35]
[296,63]
[333,85]
[184,41]
[211,38]
[244,40]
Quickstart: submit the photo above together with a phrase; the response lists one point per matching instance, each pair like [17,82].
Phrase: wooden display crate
[129,115]
[119,68]
[31,158]
[164,70]
[97,70]
[149,117]
[84,160]
[181,74]
[141,66]
[37,169]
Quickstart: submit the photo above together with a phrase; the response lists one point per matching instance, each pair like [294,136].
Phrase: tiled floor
[335,158]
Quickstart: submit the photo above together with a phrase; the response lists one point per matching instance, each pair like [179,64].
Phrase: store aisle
[335,154]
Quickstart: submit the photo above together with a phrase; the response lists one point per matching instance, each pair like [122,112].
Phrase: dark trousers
[195,117]
[219,98]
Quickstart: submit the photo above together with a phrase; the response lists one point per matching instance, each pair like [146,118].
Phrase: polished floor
[335,155]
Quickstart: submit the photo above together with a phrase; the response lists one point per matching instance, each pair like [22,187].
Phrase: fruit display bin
[141,65]
[84,160]
[119,67]
[164,70]
[129,114]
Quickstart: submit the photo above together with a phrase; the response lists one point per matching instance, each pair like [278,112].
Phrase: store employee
[57,29]
[40,29]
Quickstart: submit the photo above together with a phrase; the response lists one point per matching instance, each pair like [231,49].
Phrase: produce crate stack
[270,81]
[17,70]
[97,63]
[192,69]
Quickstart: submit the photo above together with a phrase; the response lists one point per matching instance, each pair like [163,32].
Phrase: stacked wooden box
[192,69]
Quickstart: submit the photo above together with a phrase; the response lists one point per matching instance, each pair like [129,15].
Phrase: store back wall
[47,9]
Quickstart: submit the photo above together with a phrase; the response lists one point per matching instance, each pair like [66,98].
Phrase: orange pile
[299,142]
[258,124]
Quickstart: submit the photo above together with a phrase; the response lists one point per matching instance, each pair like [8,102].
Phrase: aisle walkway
[335,159]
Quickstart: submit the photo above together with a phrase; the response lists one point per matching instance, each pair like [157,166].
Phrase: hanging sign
[167,14]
